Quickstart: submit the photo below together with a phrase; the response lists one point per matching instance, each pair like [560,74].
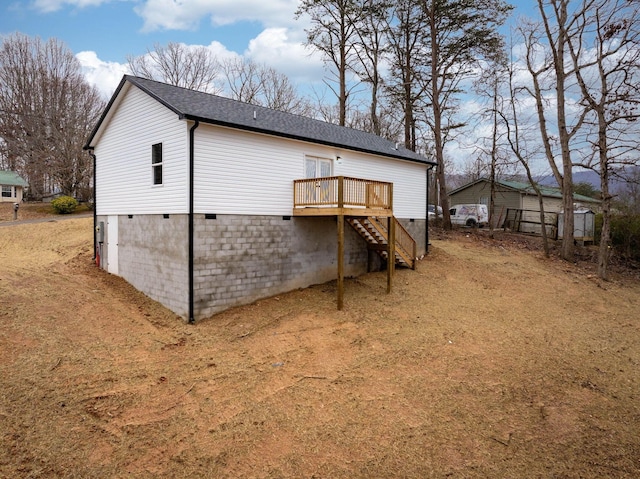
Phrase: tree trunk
[437,123]
[408,97]
[604,250]
[343,82]
[494,154]
[543,225]
[558,41]
[375,121]
[567,249]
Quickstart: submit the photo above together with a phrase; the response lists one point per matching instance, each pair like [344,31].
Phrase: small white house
[196,205]
[11,187]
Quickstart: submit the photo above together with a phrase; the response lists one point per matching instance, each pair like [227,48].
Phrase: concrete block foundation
[237,258]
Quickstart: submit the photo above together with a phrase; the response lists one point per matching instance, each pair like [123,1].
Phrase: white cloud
[280,49]
[219,50]
[186,15]
[47,6]
[104,75]
[280,45]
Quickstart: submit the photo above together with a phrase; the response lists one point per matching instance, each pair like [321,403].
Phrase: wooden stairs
[374,230]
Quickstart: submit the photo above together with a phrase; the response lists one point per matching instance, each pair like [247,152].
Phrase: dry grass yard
[488,361]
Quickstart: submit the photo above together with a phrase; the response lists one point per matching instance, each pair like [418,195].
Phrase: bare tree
[561,27]
[605,52]
[493,149]
[522,144]
[408,80]
[281,94]
[244,80]
[192,67]
[629,197]
[333,34]
[48,109]
[262,85]
[389,125]
[592,70]
[370,51]
[460,33]
[557,34]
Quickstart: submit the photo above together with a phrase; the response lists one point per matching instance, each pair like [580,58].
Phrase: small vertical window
[156,163]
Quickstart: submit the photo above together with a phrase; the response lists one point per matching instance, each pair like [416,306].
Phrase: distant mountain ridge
[616,184]
[590,177]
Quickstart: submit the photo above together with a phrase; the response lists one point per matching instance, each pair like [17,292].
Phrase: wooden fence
[528,221]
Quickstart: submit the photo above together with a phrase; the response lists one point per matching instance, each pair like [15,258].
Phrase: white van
[432,211]
[469,215]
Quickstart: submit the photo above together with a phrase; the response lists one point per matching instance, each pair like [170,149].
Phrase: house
[12,187]
[204,203]
[514,195]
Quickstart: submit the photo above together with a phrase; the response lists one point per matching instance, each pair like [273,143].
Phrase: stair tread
[373,231]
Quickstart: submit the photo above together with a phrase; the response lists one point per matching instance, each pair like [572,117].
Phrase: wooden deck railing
[403,239]
[342,192]
[406,241]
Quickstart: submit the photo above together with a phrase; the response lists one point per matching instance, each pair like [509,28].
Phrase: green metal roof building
[11,187]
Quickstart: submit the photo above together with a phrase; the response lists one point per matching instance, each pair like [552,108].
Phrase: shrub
[64,205]
[625,234]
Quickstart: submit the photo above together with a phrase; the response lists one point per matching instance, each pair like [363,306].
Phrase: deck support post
[340,244]
[340,262]
[391,251]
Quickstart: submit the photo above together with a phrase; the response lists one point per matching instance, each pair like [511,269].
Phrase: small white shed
[583,225]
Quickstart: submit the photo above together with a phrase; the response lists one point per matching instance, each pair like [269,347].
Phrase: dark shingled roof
[208,108]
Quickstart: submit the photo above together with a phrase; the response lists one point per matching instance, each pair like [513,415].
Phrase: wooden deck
[367,205]
[340,195]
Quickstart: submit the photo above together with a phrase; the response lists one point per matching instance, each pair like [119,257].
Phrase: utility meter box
[100,232]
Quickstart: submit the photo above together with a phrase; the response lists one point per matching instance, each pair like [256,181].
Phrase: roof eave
[126,78]
[88,145]
[183,115]
[264,131]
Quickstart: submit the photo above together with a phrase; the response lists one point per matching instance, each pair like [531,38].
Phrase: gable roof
[11,178]
[527,189]
[213,109]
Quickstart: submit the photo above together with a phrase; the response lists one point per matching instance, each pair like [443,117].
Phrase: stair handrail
[403,238]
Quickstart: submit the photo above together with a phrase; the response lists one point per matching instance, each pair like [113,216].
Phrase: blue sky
[102,33]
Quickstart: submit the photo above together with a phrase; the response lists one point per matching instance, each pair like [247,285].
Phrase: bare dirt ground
[488,361]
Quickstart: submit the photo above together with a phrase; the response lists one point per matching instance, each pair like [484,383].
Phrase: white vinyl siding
[124,156]
[409,180]
[239,172]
